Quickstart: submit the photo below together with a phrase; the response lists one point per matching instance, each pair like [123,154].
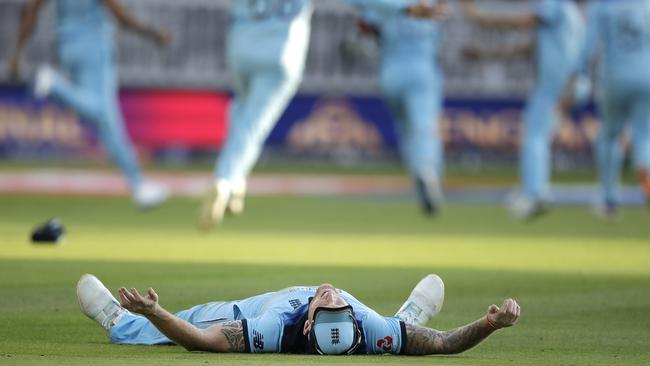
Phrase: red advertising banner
[184,119]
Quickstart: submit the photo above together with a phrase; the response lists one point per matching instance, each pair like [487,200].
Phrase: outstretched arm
[500,21]
[128,21]
[25,30]
[223,337]
[426,341]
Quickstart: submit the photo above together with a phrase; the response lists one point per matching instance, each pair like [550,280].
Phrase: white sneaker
[425,301]
[524,208]
[214,205]
[44,81]
[97,302]
[149,195]
[607,211]
[237,197]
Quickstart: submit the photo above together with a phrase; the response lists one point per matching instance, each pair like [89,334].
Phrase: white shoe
[214,205]
[607,211]
[237,197]
[524,208]
[97,302]
[44,81]
[149,195]
[425,301]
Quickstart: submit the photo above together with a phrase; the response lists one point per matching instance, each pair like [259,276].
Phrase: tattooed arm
[223,337]
[425,341]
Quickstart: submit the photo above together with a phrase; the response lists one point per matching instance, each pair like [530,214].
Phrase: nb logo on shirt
[335,336]
[258,340]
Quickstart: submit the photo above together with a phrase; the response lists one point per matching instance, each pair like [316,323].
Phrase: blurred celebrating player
[412,82]
[560,34]
[267,48]
[87,52]
[621,31]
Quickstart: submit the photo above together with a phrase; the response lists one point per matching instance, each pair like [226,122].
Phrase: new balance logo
[335,336]
[258,340]
[295,303]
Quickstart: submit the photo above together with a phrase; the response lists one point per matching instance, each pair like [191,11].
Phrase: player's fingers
[152,294]
[128,295]
[493,309]
[514,312]
[513,308]
[509,305]
[121,297]
[124,299]
[136,295]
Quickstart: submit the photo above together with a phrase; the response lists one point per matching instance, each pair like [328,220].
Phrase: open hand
[133,301]
[504,316]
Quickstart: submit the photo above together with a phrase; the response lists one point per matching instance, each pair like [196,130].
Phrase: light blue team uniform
[87,52]
[272,323]
[412,83]
[266,51]
[621,31]
[560,36]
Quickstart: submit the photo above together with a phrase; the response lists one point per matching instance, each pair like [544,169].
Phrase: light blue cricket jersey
[621,30]
[560,38]
[268,11]
[273,322]
[84,21]
[273,21]
[279,14]
[404,37]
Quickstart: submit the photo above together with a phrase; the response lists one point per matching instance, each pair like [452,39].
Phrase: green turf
[584,286]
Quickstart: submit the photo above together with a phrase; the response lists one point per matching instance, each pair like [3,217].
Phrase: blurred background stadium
[175,100]
[583,284]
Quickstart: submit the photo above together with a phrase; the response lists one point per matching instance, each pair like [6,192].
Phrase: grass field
[584,286]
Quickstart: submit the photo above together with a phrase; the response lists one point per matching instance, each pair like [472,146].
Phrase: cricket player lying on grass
[317,320]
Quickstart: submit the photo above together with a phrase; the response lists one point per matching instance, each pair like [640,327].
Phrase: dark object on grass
[50,232]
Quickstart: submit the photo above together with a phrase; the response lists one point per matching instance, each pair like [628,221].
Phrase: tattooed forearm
[426,341]
[234,334]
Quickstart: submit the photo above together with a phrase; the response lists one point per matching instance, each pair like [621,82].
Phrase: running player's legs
[83,92]
[136,329]
[241,86]
[270,93]
[609,151]
[93,93]
[116,141]
[421,138]
[396,101]
[413,93]
[535,155]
